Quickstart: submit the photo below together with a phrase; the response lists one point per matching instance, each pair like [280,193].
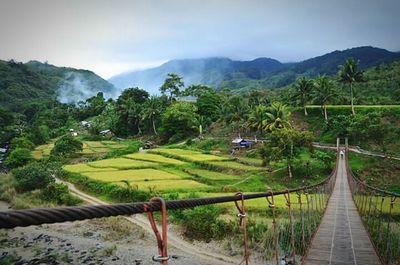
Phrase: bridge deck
[341,238]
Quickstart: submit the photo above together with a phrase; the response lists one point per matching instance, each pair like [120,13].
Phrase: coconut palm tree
[257,118]
[152,112]
[302,91]
[277,117]
[324,90]
[349,74]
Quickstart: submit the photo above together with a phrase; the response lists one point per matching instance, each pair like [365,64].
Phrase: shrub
[58,193]
[22,142]
[31,177]
[203,223]
[18,158]
[66,146]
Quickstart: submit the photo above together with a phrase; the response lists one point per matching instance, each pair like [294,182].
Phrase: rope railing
[291,218]
[380,212]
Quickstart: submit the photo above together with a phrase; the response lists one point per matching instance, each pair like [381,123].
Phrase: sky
[114,36]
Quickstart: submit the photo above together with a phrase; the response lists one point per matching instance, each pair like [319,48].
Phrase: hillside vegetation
[42,83]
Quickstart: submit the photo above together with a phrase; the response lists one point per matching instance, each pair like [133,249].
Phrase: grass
[188,155]
[121,163]
[234,166]
[376,171]
[134,175]
[212,175]
[80,168]
[250,161]
[89,148]
[171,185]
[154,158]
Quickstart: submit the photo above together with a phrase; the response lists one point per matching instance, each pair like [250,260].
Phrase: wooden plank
[341,238]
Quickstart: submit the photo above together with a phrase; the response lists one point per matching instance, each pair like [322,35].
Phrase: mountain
[20,83]
[208,71]
[243,75]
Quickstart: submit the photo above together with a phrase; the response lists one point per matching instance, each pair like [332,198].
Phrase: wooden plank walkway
[341,238]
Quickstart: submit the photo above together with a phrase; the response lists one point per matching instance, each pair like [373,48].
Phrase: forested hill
[259,73]
[34,81]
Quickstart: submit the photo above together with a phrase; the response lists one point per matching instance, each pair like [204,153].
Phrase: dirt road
[202,251]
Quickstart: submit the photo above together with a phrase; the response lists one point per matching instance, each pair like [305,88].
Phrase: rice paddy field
[90,148]
[174,170]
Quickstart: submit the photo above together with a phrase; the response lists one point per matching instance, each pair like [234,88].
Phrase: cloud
[109,37]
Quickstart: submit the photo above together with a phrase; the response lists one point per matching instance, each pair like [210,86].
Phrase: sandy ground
[100,241]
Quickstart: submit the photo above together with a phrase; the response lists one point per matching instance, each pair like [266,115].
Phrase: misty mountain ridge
[222,72]
[42,82]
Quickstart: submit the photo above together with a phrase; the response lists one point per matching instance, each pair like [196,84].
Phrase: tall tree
[324,90]
[349,74]
[302,91]
[172,85]
[285,144]
[257,118]
[152,112]
[129,106]
[277,117]
[180,120]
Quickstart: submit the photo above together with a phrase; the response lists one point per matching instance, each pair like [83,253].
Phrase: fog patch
[75,87]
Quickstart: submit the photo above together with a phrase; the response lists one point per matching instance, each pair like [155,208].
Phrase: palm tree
[152,112]
[303,88]
[277,117]
[349,74]
[324,90]
[257,118]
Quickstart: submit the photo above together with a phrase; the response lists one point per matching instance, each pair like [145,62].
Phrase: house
[107,132]
[86,124]
[242,143]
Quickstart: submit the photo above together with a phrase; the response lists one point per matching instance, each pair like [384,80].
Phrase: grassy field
[122,163]
[376,171]
[169,170]
[232,165]
[132,176]
[188,155]
[154,158]
[90,148]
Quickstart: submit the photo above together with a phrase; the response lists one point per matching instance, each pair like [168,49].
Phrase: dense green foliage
[66,146]
[33,176]
[179,121]
[58,193]
[18,157]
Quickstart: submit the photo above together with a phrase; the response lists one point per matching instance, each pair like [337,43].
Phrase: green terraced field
[234,166]
[80,168]
[133,176]
[172,185]
[212,175]
[122,163]
[189,155]
[154,158]
[250,161]
[88,148]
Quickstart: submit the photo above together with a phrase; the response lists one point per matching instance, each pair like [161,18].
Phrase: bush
[22,142]
[31,177]
[66,146]
[18,158]
[202,223]
[58,193]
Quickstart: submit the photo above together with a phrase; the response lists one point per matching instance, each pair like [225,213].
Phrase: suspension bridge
[340,220]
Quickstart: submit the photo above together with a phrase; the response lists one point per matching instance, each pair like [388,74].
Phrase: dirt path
[204,252]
